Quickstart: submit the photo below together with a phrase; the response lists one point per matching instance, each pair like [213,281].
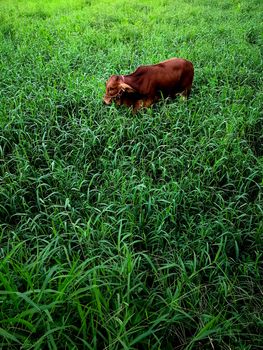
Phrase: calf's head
[115,87]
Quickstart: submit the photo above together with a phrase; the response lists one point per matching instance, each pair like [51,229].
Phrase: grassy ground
[121,231]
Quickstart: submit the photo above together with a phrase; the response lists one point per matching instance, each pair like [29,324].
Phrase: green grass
[120,231]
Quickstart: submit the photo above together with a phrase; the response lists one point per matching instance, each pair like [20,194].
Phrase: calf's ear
[126,87]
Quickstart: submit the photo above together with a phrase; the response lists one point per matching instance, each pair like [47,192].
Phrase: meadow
[122,231]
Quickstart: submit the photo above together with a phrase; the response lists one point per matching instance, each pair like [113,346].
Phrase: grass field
[120,231]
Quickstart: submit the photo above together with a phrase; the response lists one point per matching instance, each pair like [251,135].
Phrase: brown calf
[148,84]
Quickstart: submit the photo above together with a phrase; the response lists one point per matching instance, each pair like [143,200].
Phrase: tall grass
[120,231]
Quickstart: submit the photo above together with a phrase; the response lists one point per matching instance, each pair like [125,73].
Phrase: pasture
[122,231]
